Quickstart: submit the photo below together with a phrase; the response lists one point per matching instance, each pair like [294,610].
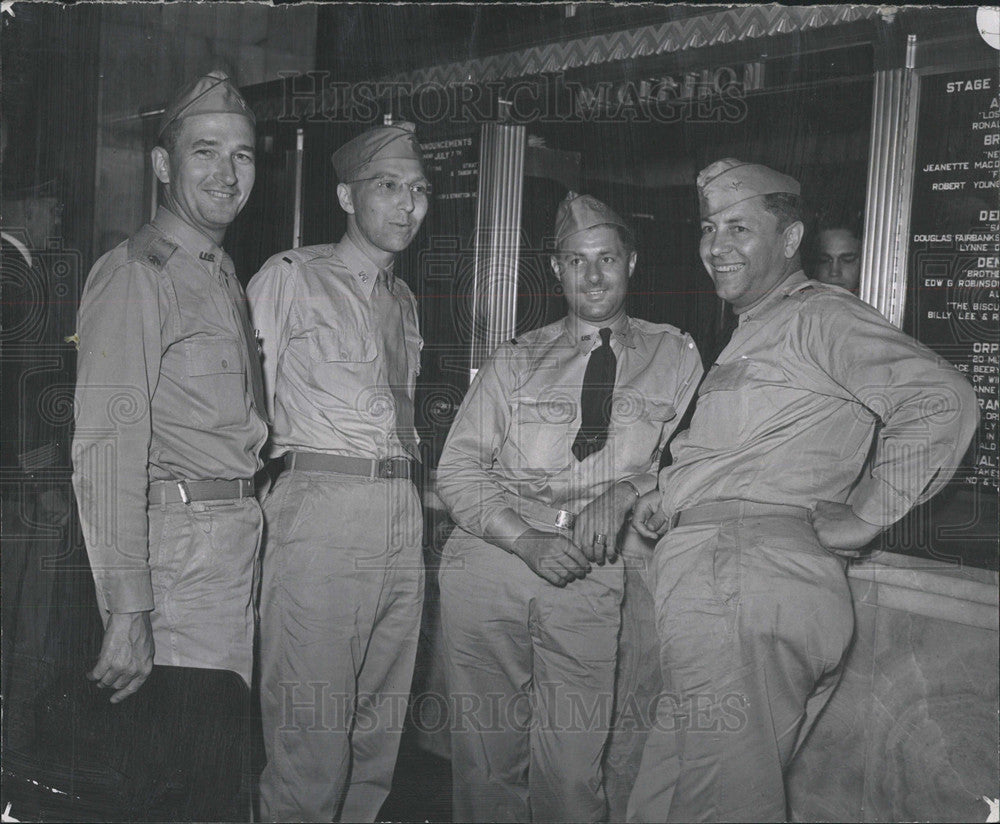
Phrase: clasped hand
[559,559]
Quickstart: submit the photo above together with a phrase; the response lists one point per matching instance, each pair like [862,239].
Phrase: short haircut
[787,208]
[850,224]
[171,134]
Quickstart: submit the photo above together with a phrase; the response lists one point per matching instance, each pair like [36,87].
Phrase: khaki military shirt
[788,412]
[513,434]
[326,372]
[162,393]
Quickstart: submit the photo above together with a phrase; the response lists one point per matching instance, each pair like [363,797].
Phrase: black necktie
[595,399]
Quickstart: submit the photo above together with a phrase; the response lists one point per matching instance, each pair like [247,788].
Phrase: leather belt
[730,510]
[186,492]
[347,465]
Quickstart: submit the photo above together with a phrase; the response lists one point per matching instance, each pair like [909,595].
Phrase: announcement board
[955,240]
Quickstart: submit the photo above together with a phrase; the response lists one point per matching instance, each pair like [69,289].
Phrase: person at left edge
[342,579]
[169,411]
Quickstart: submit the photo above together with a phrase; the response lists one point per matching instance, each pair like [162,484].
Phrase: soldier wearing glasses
[342,574]
[559,433]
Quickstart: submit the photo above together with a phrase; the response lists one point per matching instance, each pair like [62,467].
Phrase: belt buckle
[565,519]
[385,469]
[182,489]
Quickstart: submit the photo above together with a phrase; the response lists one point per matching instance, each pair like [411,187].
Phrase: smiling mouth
[727,268]
[221,195]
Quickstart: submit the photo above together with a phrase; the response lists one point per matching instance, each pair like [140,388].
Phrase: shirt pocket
[638,421]
[734,401]
[337,346]
[218,394]
[542,432]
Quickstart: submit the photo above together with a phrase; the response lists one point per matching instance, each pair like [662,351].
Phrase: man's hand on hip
[126,657]
[551,556]
[840,530]
[647,517]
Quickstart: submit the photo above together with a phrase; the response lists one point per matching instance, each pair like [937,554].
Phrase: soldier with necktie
[342,587]
[559,434]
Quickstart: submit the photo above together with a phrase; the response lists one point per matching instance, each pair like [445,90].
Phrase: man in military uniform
[343,576]
[560,432]
[170,411]
[765,498]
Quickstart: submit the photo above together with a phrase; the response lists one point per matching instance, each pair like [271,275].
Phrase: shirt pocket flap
[631,405]
[331,345]
[725,376]
[552,410]
[660,410]
[213,356]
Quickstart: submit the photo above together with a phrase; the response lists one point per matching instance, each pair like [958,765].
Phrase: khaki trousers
[637,681]
[754,617]
[531,680]
[341,599]
[203,560]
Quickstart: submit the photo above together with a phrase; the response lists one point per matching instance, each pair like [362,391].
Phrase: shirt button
[225,364]
[364,278]
[343,354]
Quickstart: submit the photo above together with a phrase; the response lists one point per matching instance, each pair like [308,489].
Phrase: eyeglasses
[391,188]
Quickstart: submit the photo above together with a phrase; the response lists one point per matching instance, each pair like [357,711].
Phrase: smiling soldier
[170,421]
[343,575]
[170,411]
[559,433]
[819,425]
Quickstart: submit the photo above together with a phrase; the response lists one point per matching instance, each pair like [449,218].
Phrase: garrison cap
[398,141]
[214,93]
[730,181]
[577,213]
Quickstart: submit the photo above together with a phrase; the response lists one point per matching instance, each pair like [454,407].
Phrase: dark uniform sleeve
[119,327]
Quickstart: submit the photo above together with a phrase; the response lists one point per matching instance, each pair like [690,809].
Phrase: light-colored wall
[911,733]
[147,51]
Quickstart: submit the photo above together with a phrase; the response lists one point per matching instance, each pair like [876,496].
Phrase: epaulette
[150,247]
[651,328]
[809,287]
